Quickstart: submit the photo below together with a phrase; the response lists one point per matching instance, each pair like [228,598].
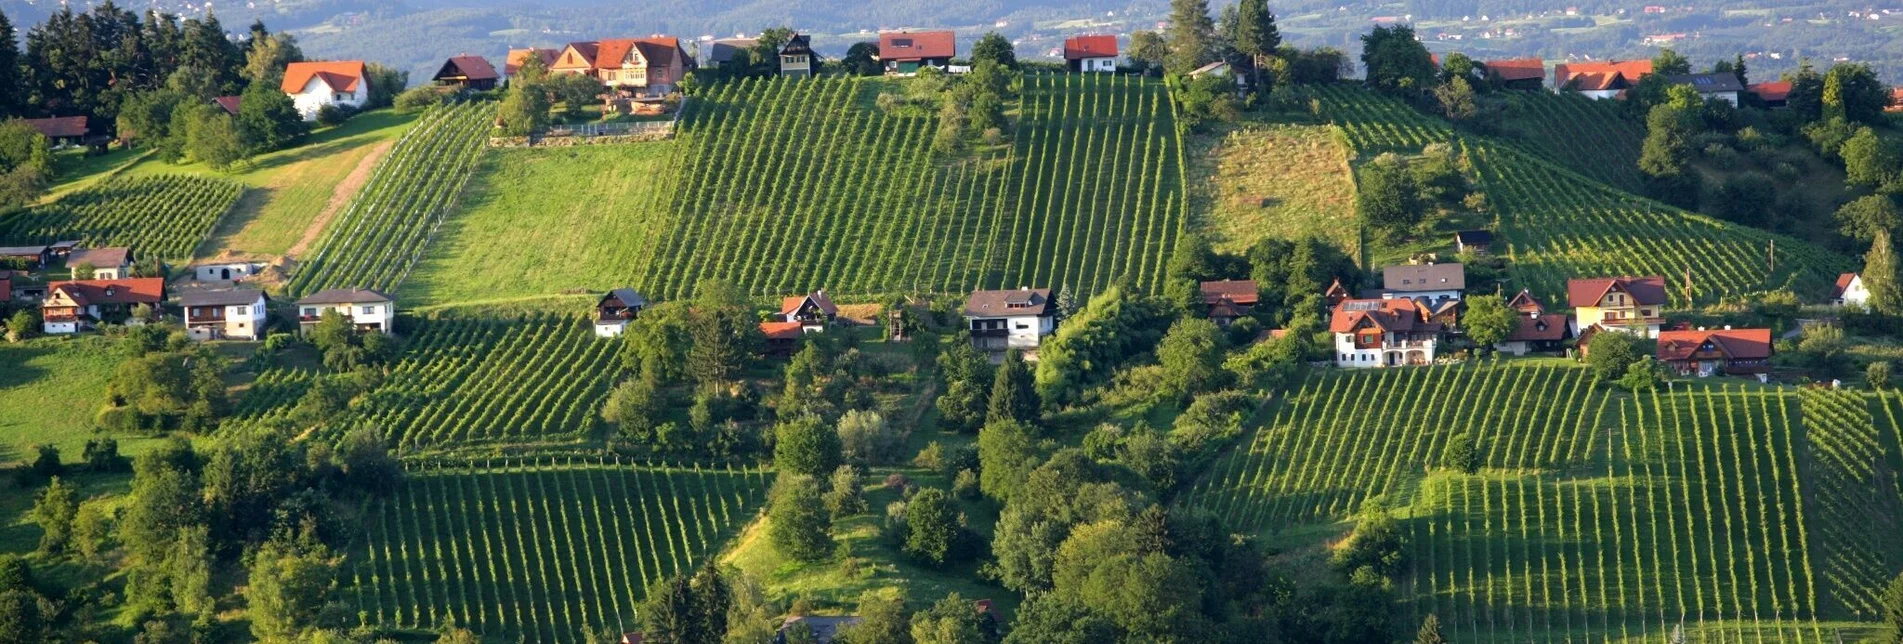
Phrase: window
[244,310]
[369,310]
[310,312]
[1022,326]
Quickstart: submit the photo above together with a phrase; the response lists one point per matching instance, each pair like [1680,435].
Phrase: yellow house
[1632,304]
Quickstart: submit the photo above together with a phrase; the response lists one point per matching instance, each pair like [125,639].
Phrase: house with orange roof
[314,85]
[1600,80]
[1516,73]
[1383,333]
[904,52]
[1773,95]
[1850,291]
[812,311]
[1632,304]
[1534,330]
[649,66]
[75,306]
[513,63]
[1091,53]
[1705,353]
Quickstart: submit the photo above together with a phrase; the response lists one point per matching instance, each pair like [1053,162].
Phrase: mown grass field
[1260,180]
[49,390]
[541,549]
[1735,509]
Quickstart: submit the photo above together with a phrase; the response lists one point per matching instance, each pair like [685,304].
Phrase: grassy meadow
[49,390]
[1284,181]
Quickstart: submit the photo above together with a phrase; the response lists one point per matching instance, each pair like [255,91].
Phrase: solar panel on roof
[1361,306]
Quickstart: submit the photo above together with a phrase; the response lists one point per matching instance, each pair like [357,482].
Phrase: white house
[1087,54]
[812,311]
[615,310]
[313,85]
[106,263]
[1002,320]
[368,309]
[1382,333]
[1850,291]
[71,307]
[232,314]
[224,271]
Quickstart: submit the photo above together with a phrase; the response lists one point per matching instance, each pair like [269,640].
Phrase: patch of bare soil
[340,197]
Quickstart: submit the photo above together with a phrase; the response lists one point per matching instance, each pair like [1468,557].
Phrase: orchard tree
[1487,321]
[994,47]
[806,445]
[799,527]
[1191,355]
[1610,353]
[931,527]
[1396,60]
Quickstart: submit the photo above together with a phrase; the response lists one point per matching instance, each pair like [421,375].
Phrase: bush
[417,99]
[1461,454]
[1877,375]
[332,115]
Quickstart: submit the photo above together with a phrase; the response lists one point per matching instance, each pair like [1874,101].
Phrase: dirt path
[340,197]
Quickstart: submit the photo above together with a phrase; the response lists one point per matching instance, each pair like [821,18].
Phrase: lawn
[1272,180]
[540,222]
[49,389]
[289,189]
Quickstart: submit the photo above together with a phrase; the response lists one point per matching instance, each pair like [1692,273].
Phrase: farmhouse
[61,131]
[650,66]
[223,271]
[781,337]
[1229,300]
[513,63]
[1002,320]
[1091,53]
[1724,87]
[71,307]
[1705,353]
[25,257]
[1382,333]
[1774,94]
[1429,283]
[105,263]
[312,86]
[1516,73]
[1632,304]
[1534,330]
[1850,291]
[233,314]
[904,52]
[615,310]
[797,58]
[467,72]
[1478,242]
[368,309]
[812,311]
[1600,80]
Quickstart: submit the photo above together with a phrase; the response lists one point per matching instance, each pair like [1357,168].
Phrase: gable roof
[1771,91]
[626,296]
[819,298]
[1081,47]
[1735,344]
[138,290]
[469,67]
[916,45]
[59,127]
[346,296]
[1424,277]
[231,104]
[1843,284]
[723,50]
[1539,328]
[798,44]
[1215,67]
[657,51]
[1588,292]
[1708,83]
[519,56]
[781,330]
[1009,303]
[22,251]
[1389,315]
[340,75]
[1239,292]
[1524,302]
[1599,76]
[101,257]
[223,297]
[1516,69]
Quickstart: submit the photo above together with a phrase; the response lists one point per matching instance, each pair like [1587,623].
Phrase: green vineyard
[543,550]
[389,224]
[162,217]
[1592,137]
[786,186]
[1559,224]
[1729,509]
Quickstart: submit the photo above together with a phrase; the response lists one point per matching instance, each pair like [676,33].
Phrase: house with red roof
[1774,94]
[75,306]
[812,311]
[1850,291]
[1534,330]
[1632,304]
[1091,53]
[1601,80]
[513,63]
[781,337]
[1706,353]
[904,52]
[650,66]
[1516,73]
[62,130]
[230,104]
[337,83]
[467,72]
[1383,333]
[1229,300]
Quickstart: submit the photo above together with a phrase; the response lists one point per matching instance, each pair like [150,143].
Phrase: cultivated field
[1730,508]
[1595,138]
[543,549]
[376,239]
[163,217]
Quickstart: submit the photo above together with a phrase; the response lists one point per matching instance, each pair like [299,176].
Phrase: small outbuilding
[1096,53]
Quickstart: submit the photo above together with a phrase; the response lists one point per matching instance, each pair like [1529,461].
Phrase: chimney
[1701,328]
[1727,327]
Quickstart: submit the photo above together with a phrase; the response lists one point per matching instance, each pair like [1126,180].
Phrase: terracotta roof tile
[341,75]
[1588,292]
[1771,91]
[1081,47]
[59,127]
[138,290]
[781,330]
[1516,69]
[1539,328]
[1735,344]
[917,45]
[1241,292]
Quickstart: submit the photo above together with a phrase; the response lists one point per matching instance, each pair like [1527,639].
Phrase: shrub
[332,115]
[417,99]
